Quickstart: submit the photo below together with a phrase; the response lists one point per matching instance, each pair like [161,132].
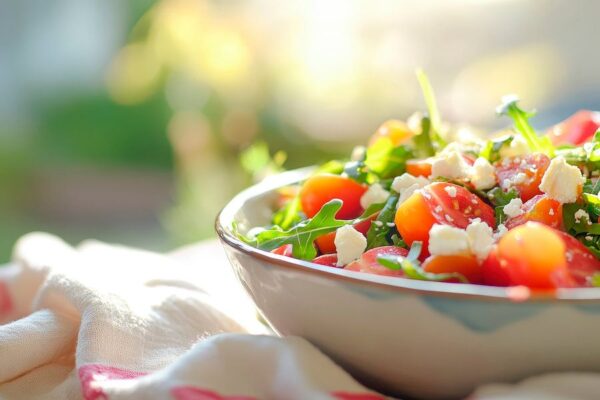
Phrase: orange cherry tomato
[419,167]
[368,261]
[466,265]
[321,188]
[396,131]
[439,203]
[326,243]
[577,129]
[329,260]
[523,173]
[534,255]
[539,208]
[285,250]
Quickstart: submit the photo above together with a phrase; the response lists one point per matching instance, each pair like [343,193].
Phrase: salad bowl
[403,337]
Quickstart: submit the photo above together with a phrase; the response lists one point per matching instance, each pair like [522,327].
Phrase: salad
[425,201]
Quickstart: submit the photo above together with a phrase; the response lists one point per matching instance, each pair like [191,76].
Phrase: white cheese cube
[350,244]
[562,182]
[374,195]
[448,240]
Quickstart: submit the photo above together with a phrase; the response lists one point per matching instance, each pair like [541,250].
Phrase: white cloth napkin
[108,322]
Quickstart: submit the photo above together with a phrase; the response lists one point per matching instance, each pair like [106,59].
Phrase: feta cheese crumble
[562,182]
[481,238]
[518,147]
[500,231]
[451,165]
[448,240]
[582,216]
[482,174]
[451,190]
[349,243]
[407,184]
[374,195]
[513,208]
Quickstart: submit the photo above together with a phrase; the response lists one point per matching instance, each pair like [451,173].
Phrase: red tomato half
[285,250]
[577,129]
[523,173]
[319,189]
[368,262]
[539,208]
[581,263]
[439,203]
[493,272]
[327,259]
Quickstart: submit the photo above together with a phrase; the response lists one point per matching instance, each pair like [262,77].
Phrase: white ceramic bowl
[405,337]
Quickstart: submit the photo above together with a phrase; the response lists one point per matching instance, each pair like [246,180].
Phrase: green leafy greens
[302,235]
[434,114]
[380,232]
[520,118]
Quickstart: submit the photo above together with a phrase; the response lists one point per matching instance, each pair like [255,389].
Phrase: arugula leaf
[434,114]
[500,198]
[591,186]
[289,214]
[593,203]
[302,235]
[357,170]
[397,241]
[331,167]
[422,141]
[385,160]
[492,148]
[520,118]
[412,268]
[378,233]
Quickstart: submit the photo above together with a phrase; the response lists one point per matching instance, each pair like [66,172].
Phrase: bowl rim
[437,289]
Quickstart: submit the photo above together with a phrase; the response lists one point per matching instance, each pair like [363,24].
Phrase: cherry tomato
[329,260]
[326,243]
[523,173]
[494,273]
[581,263]
[439,203]
[368,262]
[285,250]
[396,131]
[539,208]
[577,129]
[466,265]
[534,255]
[321,188]
[419,167]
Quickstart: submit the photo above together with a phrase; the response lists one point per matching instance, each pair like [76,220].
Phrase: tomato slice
[539,208]
[465,265]
[396,131]
[326,243]
[368,261]
[581,263]
[329,260]
[321,188]
[577,129]
[285,250]
[439,203]
[523,173]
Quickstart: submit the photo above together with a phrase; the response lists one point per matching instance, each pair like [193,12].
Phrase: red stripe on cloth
[194,393]
[91,373]
[5,299]
[356,396]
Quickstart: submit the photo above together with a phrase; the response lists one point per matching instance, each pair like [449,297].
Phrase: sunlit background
[135,121]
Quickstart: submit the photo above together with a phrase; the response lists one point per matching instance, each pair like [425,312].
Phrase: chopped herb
[500,198]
